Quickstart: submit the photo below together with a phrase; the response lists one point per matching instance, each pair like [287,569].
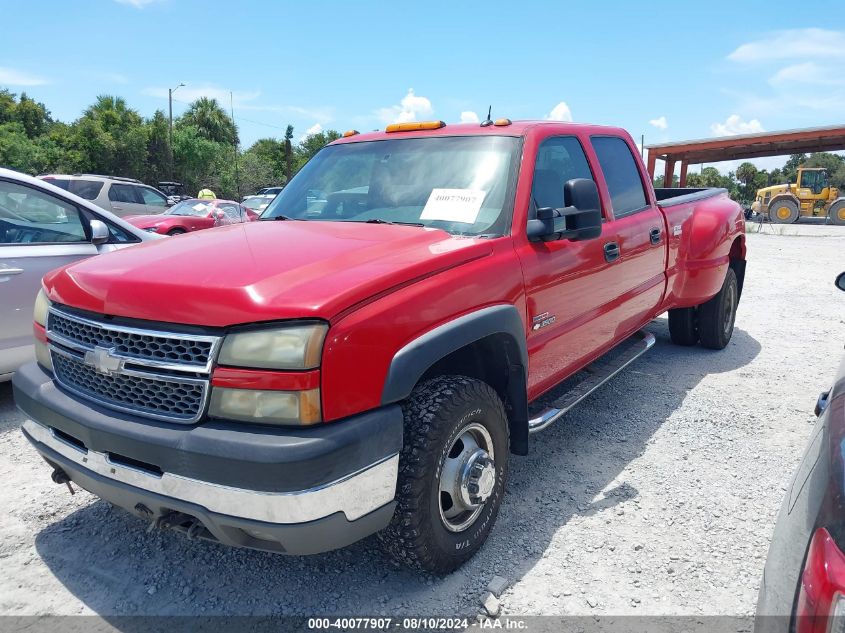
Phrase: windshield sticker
[453,205]
[199,206]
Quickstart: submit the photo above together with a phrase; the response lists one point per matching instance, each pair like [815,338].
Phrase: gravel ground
[656,496]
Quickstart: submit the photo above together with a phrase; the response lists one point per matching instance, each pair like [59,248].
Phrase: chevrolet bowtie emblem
[103,360]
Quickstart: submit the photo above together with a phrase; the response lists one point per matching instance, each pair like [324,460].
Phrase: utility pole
[235,143]
[170,92]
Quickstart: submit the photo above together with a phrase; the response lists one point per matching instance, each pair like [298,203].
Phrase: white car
[43,227]
[258,203]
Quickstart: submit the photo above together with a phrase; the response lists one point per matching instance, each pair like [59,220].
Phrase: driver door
[38,232]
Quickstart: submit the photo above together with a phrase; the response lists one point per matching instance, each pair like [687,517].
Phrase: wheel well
[494,359]
[737,262]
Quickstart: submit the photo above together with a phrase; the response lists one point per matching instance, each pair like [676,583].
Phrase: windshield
[190,207]
[459,184]
[256,202]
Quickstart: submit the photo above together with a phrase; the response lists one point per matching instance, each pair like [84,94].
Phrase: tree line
[113,139]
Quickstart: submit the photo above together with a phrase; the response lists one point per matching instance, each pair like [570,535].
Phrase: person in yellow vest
[206,194]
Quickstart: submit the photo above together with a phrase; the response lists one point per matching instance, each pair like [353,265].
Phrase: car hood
[259,271]
[146,221]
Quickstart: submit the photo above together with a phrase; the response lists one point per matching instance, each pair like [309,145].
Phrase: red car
[192,215]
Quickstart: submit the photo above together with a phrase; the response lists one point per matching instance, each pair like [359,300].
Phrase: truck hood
[259,271]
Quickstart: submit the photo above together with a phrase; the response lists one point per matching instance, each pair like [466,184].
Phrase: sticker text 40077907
[453,205]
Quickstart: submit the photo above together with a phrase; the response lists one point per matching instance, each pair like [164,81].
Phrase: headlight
[151,229]
[42,305]
[291,347]
[266,407]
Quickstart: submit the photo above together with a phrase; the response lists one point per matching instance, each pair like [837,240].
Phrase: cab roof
[515,128]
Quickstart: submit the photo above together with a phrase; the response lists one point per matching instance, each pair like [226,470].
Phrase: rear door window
[621,175]
[124,193]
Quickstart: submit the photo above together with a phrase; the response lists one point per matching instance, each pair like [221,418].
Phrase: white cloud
[660,123]
[560,112]
[311,131]
[138,4]
[189,93]
[809,73]
[735,125]
[411,107]
[12,77]
[812,43]
[468,116]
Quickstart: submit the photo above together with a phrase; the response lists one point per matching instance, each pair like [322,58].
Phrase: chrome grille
[133,343]
[168,398]
[155,374]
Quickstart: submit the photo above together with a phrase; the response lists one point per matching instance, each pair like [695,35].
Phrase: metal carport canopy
[818,139]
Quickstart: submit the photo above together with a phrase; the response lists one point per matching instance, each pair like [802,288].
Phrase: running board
[599,373]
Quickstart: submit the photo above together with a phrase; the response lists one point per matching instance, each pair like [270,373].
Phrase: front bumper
[297,491]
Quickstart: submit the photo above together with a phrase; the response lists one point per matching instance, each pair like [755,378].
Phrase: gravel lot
[656,496]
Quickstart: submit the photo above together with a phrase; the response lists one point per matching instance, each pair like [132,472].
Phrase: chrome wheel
[467,477]
[729,311]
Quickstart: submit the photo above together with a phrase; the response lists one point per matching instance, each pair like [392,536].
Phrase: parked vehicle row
[194,214]
[366,358]
[43,227]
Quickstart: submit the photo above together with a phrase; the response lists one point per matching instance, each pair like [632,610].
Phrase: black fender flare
[411,362]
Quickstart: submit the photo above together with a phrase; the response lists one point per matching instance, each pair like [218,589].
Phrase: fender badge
[542,320]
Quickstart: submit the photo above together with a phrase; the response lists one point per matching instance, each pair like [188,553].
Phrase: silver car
[43,227]
[121,196]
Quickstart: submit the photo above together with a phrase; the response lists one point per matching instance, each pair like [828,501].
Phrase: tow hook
[60,477]
[170,519]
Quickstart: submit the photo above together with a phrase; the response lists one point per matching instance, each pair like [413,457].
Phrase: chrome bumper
[356,494]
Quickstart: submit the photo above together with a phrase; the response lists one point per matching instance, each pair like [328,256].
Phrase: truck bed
[670,196]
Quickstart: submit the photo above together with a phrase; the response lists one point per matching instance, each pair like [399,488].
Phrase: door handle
[5,272]
[611,251]
[654,235]
[116,207]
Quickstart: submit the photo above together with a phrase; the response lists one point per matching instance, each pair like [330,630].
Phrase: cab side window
[559,159]
[621,175]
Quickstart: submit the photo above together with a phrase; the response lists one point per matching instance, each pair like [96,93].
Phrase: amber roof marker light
[350,133]
[413,126]
[502,122]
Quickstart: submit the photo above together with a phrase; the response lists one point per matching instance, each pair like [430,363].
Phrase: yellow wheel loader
[810,196]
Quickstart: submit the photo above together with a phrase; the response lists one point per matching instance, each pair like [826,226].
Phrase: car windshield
[190,207]
[459,184]
[256,202]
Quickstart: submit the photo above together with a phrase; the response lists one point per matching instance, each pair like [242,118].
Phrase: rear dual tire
[712,322]
[452,472]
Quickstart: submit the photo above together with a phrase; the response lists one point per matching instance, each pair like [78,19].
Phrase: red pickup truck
[366,357]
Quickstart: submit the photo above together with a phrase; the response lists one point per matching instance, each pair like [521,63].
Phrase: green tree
[211,121]
[195,158]
[158,152]
[790,169]
[312,144]
[271,152]
[746,173]
[34,116]
[112,138]
[288,153]
[8,105]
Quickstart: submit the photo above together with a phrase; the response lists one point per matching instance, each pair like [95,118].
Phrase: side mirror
[580,219]
[99,232]
[219,215]
[840,281]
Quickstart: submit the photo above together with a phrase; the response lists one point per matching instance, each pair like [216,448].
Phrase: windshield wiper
[382,221]
[279,217]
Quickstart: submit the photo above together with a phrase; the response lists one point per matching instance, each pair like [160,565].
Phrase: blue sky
[671,71]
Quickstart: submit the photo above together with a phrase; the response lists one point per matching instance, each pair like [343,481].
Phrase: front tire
[452,472]
[783,211]
[173,232]
[716,317]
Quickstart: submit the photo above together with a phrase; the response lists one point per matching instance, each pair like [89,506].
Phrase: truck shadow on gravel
[106,559]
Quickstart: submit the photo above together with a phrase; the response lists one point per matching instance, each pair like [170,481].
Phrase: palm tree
[211,120]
